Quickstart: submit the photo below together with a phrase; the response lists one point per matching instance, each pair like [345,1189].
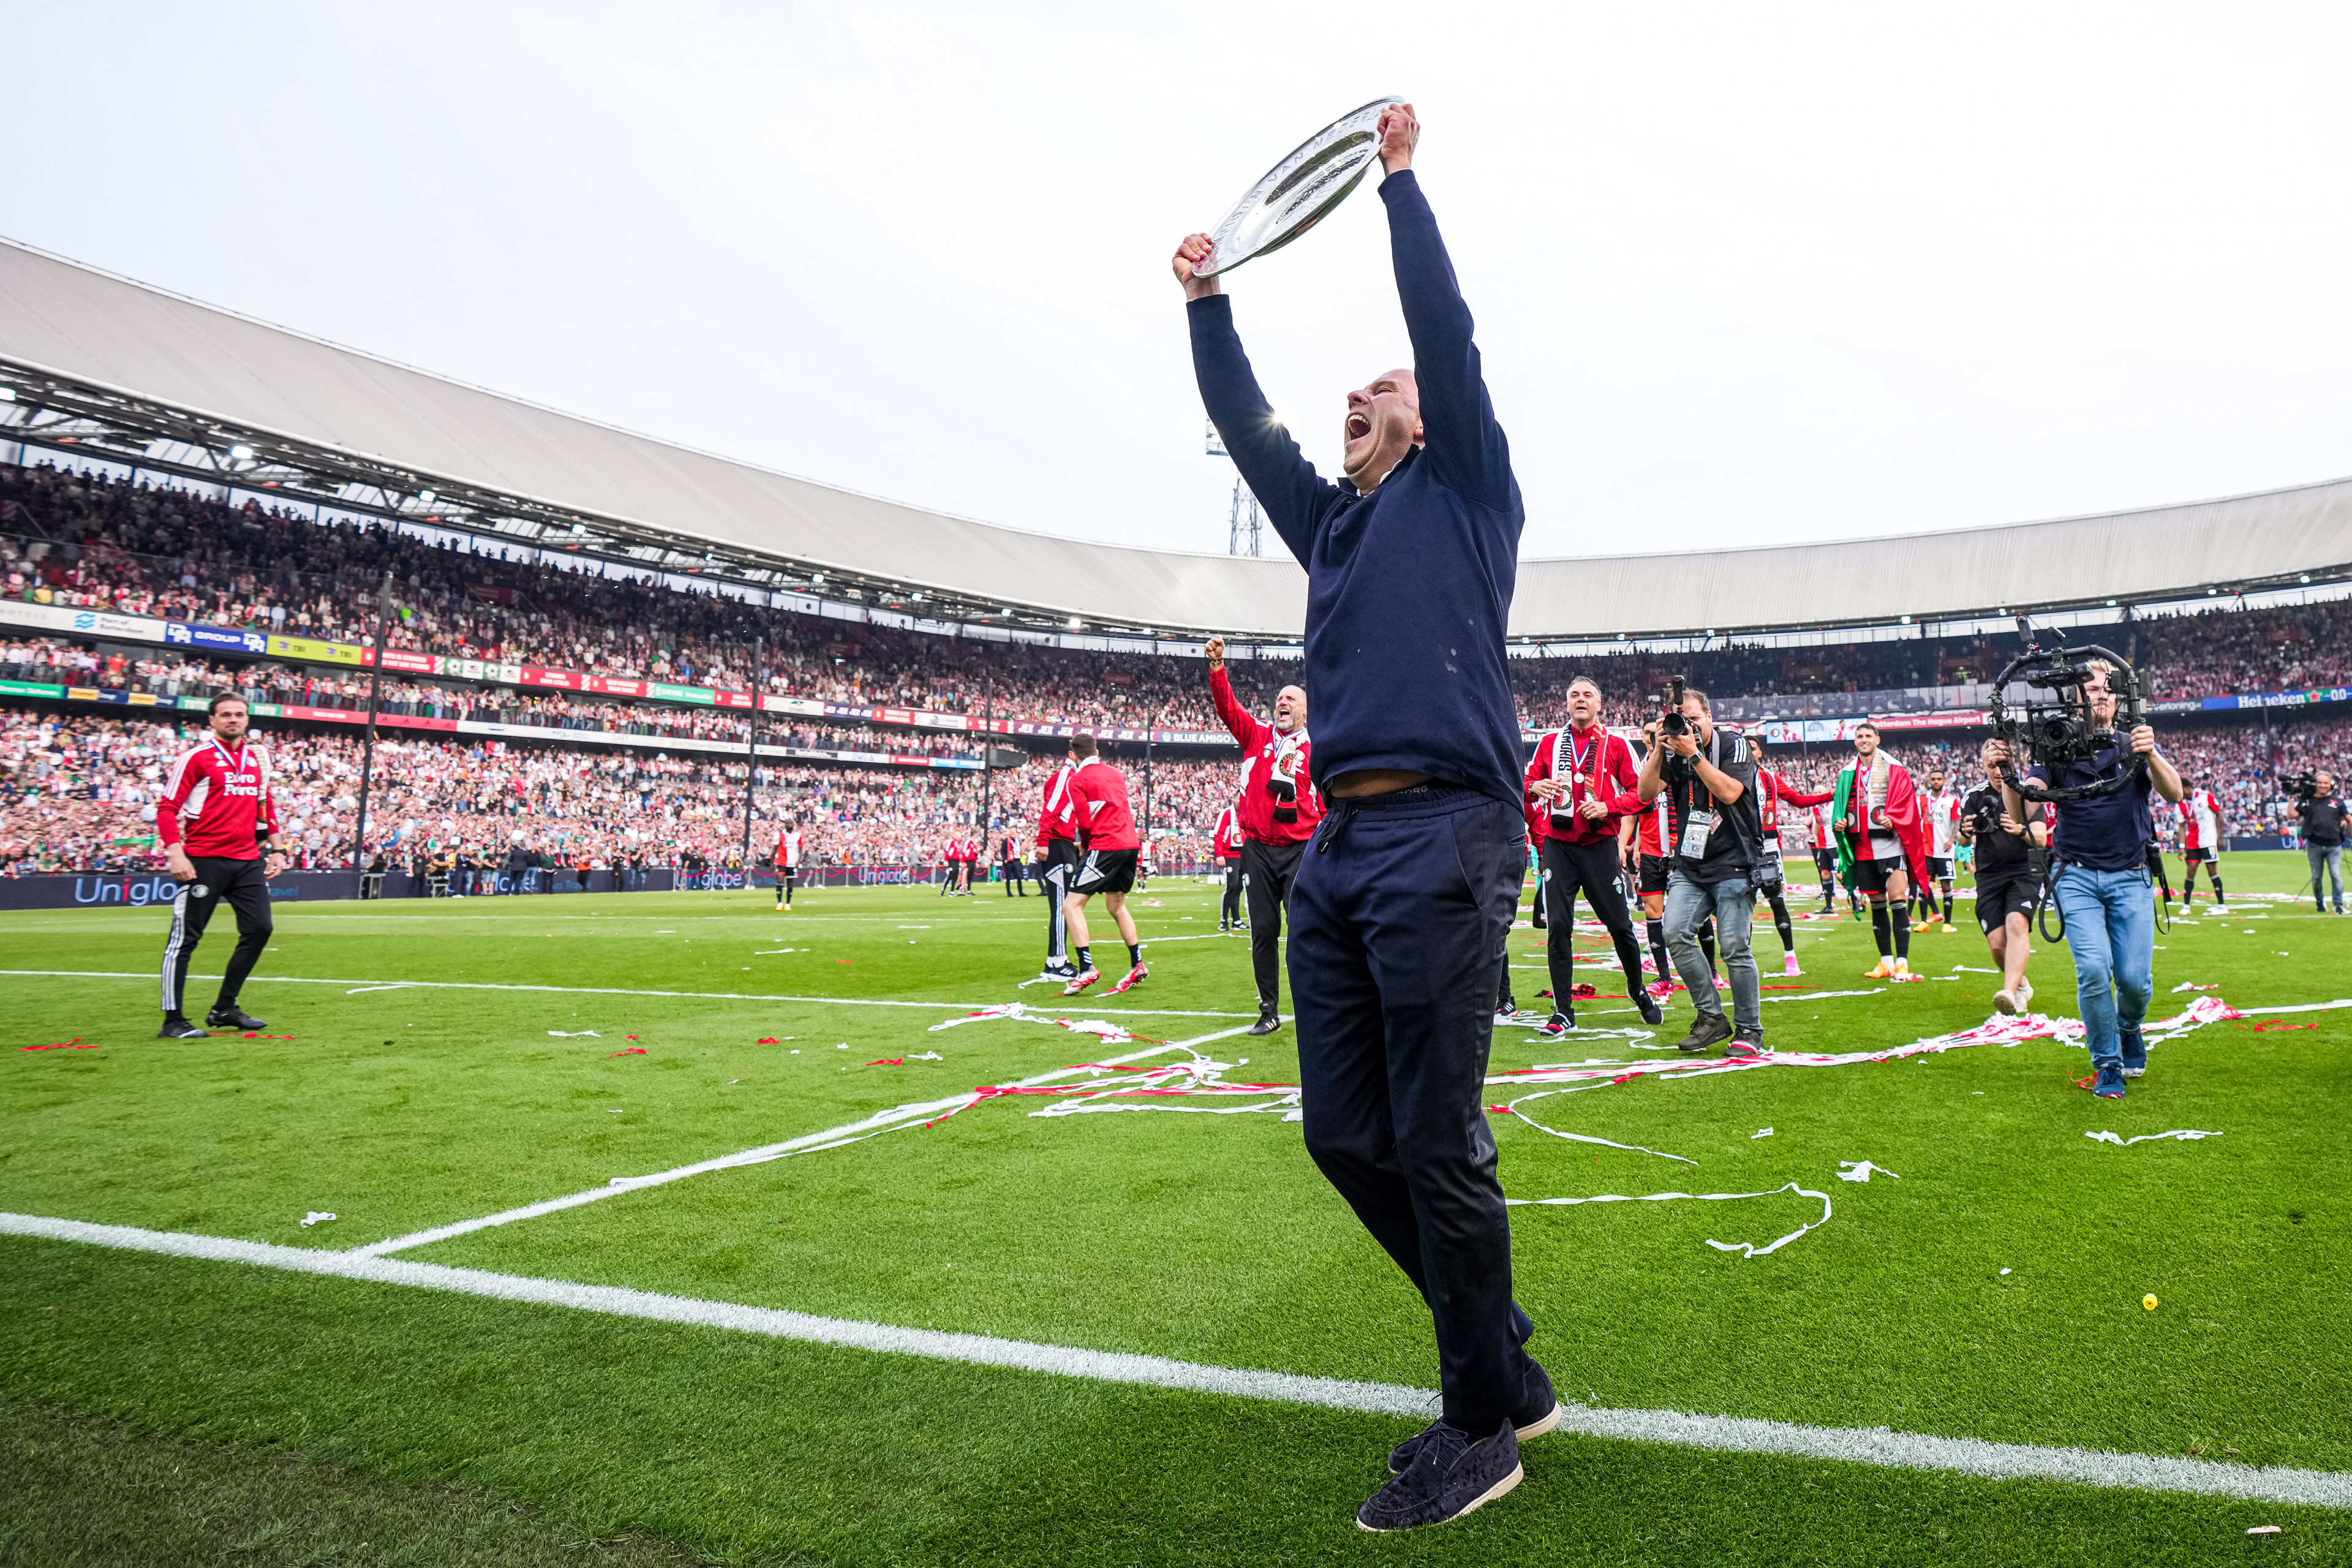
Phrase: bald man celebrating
[1279,809]
[1401,903]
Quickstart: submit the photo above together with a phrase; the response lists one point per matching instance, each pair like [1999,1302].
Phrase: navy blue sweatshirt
[1408,590]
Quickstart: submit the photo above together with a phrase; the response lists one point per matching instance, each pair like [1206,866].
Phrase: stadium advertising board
[141,889]
[316,651]
[81,622]
[189,633]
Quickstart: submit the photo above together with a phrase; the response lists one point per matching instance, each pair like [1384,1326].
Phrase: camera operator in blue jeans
[2100,848]
[1708,776]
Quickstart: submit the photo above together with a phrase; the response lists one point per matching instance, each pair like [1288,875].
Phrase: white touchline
[590,991]
[808,1143]
[1723,1433]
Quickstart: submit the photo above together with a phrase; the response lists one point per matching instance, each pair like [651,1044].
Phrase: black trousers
[1061,865]
[1267,871]
[1013,882]
[1595,869]
[239,883]
[1398,920]
[1229,911]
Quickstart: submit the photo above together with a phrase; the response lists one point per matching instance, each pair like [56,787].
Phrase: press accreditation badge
[1695,827]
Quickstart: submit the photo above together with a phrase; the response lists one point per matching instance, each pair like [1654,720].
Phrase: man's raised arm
[1294,495]
[1457,419]
[1237,719]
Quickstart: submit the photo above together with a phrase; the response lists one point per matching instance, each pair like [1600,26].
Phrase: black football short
[2002,894]
[1825,860]
[1870,876]
[1939,865]
[1651,877]
[1105,871]
[2193,856]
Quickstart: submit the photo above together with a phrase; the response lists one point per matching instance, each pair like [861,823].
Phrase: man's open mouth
[1359,427]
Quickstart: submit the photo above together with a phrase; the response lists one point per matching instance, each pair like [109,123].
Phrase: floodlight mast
[1243,522]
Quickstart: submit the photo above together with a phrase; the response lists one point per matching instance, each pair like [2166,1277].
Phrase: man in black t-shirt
[2322,819]
[1714,842]
[2009,877]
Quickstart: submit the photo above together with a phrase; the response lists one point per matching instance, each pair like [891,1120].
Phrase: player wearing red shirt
[1577,773]
[1225,843]
[216,811]
[788,864]
[1058,862]
[1279,809]
[2202,831]
[1825,859]
[1771,790]
[1645,857]
[1105,824]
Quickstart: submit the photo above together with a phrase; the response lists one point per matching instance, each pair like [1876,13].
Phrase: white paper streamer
[1746,1249]
[2185,1135]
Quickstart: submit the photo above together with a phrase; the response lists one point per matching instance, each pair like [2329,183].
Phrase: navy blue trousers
[1397,925]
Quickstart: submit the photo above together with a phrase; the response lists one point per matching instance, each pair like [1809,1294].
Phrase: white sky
[1742,274]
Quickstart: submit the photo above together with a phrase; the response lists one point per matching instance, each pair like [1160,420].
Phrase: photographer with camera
[2319,811]
[1715,839]
[2009,871]
[2102,882]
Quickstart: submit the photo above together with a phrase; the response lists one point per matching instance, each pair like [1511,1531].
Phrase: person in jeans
[2100,846]
[2321,816]
[1714,839]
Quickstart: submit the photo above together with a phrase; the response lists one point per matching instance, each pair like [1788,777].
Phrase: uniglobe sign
[136,889]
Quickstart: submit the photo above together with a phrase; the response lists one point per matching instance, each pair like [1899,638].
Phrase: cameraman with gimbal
[2102,883]
[2320,811]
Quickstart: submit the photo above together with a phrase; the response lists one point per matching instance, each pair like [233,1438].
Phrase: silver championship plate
[1298,193]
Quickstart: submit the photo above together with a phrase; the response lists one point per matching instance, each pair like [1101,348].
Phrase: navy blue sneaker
[1450,1474]
[2110,1083]
[2135,1051]
[1541,1413]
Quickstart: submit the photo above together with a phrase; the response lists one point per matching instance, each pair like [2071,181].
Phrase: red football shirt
[1099,807]
[217,802]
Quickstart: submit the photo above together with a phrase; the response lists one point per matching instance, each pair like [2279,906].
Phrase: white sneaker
[2005,1004]
[2024,994]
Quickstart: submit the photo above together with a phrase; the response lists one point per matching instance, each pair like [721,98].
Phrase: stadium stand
[80,538]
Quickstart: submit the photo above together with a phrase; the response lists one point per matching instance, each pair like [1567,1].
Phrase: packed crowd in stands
[56,662]
[80,793]
[82,538]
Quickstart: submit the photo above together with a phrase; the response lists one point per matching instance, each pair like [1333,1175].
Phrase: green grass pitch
[1994,1290]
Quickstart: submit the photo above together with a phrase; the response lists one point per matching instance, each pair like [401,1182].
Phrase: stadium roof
[137,372]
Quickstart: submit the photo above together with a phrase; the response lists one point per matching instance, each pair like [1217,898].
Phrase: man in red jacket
[1577,773]
[1225,843]
[216,810]
[1773,792]
[1105,824]
[1058,862]
[1279,809]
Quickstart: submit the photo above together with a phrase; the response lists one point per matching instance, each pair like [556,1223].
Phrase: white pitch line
[605,991]
[807,1142]
[1721,1434]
